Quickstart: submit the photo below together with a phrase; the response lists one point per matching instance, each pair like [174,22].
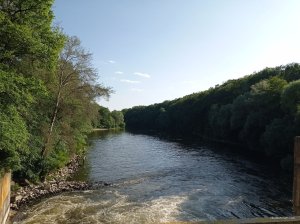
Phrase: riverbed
[157,179]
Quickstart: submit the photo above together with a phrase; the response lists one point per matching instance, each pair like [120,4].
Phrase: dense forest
[260,112]
[48,91]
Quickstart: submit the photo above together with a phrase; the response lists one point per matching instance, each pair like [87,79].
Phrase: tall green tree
[70,107]
[74,90]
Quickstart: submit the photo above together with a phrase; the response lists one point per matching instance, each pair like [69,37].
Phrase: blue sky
[155,50]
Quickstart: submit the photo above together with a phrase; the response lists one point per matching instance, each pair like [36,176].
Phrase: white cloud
[119,72]
[130,81]
[145,75]
[112,61]
[136,90]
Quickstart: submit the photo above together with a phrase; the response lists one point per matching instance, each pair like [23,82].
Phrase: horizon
[153,51]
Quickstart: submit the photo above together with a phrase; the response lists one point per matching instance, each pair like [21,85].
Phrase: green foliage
[260,111]
[26,33]
[73,111]
[291,72]
[163,120]
[291,97]
[14,138]
[118,119]
[17,96]
[278,137]
[58,158]
[29,47]
[107,119]
[219,120]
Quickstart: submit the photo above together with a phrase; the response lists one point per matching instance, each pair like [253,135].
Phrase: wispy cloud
[112,61]
[136,90]
[129,81]
[145,75]
[119,72]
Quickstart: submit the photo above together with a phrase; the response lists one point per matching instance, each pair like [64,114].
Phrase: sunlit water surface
[161,180]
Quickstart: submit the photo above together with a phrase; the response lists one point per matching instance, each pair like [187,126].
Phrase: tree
[29,46]
[28,39]
[290,98]
[278,137]
[75,78]
[118,119]
[107,119]
[104,118]
[162,120]
[17,95]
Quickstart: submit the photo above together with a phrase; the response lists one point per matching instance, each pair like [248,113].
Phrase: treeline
[47,91]
[109,119]
[260,111]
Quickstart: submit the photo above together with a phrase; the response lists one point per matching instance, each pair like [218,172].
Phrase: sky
[150,51]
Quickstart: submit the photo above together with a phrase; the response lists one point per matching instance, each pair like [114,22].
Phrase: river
[157,179]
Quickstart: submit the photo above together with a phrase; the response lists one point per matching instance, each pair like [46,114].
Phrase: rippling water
[159,180]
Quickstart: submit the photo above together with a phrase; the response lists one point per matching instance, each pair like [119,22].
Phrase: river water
[158,180]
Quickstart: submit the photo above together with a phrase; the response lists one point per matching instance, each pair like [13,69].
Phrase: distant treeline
[109,119]
[47,91]
[260,111]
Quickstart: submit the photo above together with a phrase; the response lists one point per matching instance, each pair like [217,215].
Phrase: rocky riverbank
[55,183]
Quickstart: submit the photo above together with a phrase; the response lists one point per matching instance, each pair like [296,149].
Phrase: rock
[28,183]
[18,198]
[56,183]
[47,186]
[14,206]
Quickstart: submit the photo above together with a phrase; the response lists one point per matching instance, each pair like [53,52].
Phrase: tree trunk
[53,119]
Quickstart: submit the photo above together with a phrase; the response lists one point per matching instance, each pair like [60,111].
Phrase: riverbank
[107,129]
[55,183]
[100,129]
